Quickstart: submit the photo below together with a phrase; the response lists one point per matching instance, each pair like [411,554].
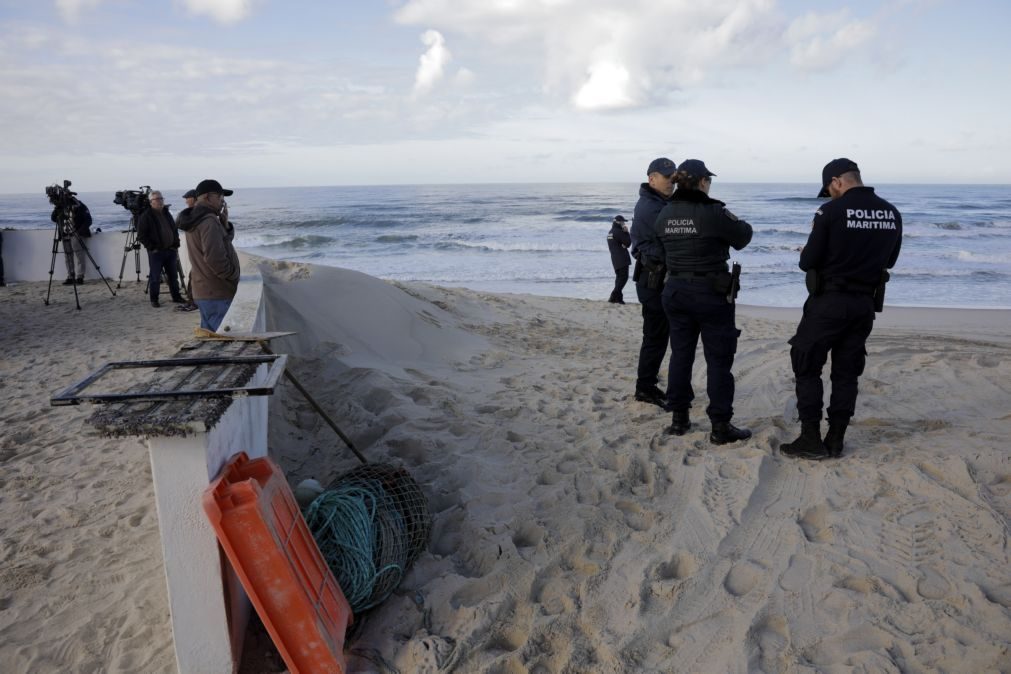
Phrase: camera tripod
[65,231]
[131,244]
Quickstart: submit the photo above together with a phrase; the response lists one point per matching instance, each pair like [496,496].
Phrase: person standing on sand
[157,232]
[618,241]
[854,239]
[2,282]
[191,199]
[696,232]
[213,260]
[73,246]
[648,277]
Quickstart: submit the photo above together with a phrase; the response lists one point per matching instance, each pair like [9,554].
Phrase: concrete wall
[28,254]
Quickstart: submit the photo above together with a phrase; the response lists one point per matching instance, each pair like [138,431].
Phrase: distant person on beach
[190,197]
[648,277]
[213,260]
[618,241]
[696,233]
[854,239]
[2,281]
[73,246]
[157,232]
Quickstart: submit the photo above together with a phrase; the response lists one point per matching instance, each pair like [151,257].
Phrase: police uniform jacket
[618,241]
[644,243]
[853,238]
[697,231]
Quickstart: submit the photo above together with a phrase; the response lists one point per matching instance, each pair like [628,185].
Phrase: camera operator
[157,232]
[73,247]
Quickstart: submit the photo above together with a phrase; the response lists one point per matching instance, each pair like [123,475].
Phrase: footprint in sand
[742,578]
[815,524]
[681,566]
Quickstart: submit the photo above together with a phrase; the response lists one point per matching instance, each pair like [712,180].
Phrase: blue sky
[118,93]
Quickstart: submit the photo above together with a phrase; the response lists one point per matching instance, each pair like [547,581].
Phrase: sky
[113,94]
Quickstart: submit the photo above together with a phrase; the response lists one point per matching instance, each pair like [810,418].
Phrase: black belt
[846,286]
[692,275]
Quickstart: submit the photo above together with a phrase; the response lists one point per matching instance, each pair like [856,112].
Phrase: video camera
[134,201]
[60,196]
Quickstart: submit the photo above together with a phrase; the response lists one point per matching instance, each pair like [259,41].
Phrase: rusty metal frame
[73,395]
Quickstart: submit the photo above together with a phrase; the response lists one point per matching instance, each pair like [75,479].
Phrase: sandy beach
[571,533]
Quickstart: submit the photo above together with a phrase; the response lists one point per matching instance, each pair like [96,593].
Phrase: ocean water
[549,239]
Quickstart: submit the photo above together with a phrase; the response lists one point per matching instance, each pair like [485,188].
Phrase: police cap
[834,169]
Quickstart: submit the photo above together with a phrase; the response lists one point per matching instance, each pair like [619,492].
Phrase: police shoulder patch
[726,211]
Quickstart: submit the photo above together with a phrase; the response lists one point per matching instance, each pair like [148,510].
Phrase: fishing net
[370,524]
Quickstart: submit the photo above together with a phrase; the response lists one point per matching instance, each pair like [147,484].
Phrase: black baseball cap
[208,186]
[834,169]
[696,168]
[663,166]
[619,218]
[191,194]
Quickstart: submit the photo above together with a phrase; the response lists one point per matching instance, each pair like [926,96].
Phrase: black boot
[679,423]
[70,281]
[616,298]
[808,445]
[834,437]
[652,395]
[725,432]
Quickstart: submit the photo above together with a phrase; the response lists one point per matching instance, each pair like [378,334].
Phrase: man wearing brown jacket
[213,260]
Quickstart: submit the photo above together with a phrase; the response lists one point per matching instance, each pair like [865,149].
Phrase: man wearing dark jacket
[648,276]
[74,246]
[214,262]
[696,233]
[618,241]
[854,239]
[156,230]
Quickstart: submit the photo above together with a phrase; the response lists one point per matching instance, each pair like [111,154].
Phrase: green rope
[363,538]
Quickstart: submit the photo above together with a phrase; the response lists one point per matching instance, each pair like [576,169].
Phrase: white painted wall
[28,254]
[209,609]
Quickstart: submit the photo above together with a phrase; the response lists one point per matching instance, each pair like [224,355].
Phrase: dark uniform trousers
[693,308]
[654,336]
[836,322]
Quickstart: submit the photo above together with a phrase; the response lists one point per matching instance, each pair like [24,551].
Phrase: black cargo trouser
[620,279]
[654,336]
[837,323]
[694,309]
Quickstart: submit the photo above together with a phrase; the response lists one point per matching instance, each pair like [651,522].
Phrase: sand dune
[572,534]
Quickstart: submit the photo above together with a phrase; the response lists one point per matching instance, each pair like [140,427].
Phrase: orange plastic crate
[262,531]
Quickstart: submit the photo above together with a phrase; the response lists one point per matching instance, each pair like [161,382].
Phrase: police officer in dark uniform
[649,276]
[854,239]
[618,241]
[696,233]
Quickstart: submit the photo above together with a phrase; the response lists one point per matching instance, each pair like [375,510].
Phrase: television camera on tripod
[135,201]
[66,207]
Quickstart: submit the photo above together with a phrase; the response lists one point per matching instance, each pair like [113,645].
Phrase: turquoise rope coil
[369,526]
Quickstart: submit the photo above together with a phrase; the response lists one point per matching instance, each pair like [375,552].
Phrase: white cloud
[222,11]
[606,87]
[816,44]
[432,64]
[598,56]
[70,10]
